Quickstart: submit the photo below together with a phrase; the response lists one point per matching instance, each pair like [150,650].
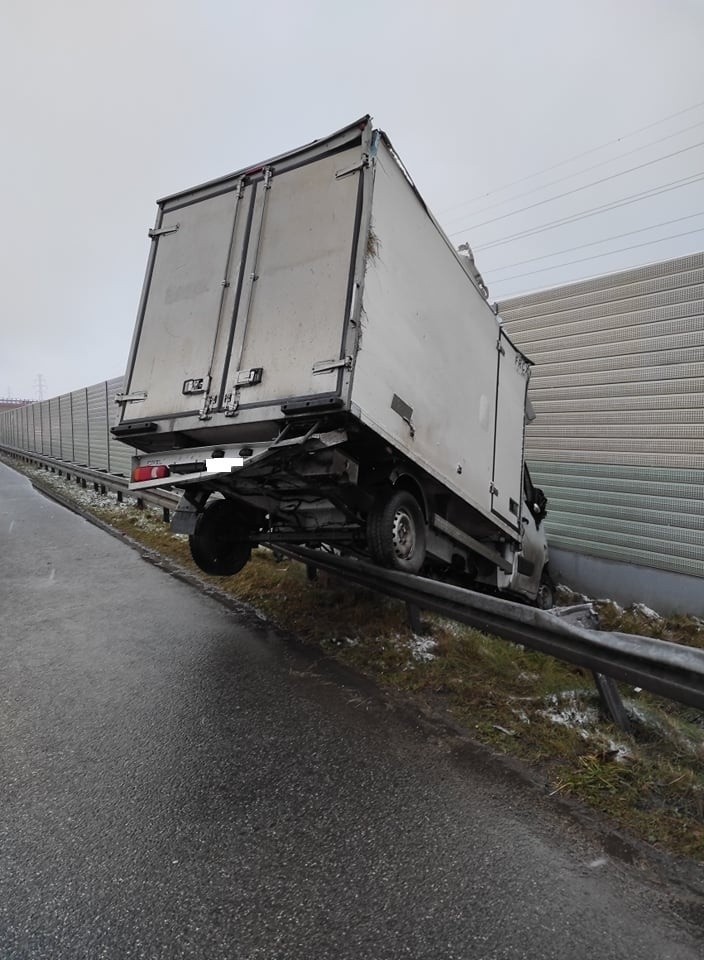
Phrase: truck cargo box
[316,293]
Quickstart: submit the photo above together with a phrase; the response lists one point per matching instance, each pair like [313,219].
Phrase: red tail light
[149,473]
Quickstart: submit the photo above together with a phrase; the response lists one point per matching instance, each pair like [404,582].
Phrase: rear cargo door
[189,292]
[289,331]
[507,478]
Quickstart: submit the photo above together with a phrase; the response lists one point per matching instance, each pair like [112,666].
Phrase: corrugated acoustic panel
[27,428]
[98,428]
[79,414]
[19,428]
[66,426]
[681,271]
[593,392]
[609,331]
[55,418]
[641,435]
[632,517]
[614,452]
[637,514]
[614,548]
[670,483]
[665,405]
[611,371]
[120,454]
[7,428]
[620,313]
[647,417]
[622,296]
[641,346]
[43,424]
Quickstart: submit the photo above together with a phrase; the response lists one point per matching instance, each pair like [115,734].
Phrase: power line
[592,211]
[571,176]
[585,186]
[582,246]
[595,256]
[578,156]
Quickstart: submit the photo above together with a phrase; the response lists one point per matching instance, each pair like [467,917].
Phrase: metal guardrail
[101,479]
[671,670]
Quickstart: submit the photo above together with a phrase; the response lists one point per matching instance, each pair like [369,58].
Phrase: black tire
[396,532]
[218,546]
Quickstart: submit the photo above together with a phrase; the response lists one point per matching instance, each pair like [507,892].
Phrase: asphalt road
[176,782]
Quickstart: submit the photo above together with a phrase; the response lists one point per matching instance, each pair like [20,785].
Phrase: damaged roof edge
[357,125]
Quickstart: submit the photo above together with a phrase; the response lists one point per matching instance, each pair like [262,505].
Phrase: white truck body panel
[430,338]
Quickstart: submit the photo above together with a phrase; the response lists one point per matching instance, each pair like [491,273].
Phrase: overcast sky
[109,105]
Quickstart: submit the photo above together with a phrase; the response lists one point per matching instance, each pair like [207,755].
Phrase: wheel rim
[404,535]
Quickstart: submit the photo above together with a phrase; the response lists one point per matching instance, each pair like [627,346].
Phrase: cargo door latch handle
[326,366]
[131,397]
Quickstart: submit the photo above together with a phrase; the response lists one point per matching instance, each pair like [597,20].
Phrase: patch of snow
[422,648]
[566,711]
[645,611]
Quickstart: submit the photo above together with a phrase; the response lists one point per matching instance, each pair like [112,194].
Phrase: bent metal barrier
[671,670]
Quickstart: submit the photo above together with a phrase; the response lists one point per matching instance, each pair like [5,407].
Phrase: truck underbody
[329,480]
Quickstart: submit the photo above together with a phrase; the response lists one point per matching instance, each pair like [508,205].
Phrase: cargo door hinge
[493,490]
[160,231]
[346,171]
[131,397]
[243,378]
[206,408]
[231,402]
[500,347]
[325,366]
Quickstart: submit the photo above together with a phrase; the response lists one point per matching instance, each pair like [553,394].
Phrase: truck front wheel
[396,532]
[220,544]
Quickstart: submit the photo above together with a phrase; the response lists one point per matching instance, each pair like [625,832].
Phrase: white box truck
[314,363]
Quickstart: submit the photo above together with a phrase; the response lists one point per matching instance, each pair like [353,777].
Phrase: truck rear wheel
[220,544]
[396,532]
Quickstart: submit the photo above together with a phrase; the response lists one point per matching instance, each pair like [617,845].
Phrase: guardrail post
[414,620]
[166,514]
[611,702]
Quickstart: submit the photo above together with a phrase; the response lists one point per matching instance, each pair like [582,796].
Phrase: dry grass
[520,702]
